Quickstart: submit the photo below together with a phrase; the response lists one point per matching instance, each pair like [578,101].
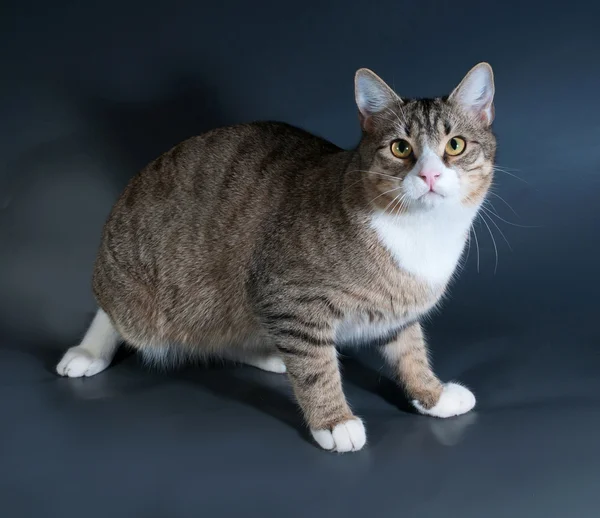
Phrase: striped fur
[259,239]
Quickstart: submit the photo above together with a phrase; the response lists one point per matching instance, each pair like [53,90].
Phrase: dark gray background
[91,94]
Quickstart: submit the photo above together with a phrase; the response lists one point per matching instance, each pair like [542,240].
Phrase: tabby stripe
[355,296]
[331,408]
[335,288]
[312,299]
[310,379]
[283,326]
[294,351]
[302,299]
[278,317]
[300,335]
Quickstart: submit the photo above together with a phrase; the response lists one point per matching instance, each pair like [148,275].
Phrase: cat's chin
[432,200]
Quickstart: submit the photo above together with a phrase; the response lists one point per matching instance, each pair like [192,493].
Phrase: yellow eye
[456,146]
[401,148]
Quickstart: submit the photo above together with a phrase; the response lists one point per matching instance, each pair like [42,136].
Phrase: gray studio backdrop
[92,92]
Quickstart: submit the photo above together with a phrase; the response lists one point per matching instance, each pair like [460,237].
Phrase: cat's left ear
[373,96]
[475,93]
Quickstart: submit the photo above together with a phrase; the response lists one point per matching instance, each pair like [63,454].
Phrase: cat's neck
[425,244]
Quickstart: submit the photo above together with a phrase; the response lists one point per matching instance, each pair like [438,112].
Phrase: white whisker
[468,246]
[477,245]
[509,222]
[504,201]
[493,241]
[499,229]
[400,206]
[369,172]
[501,170]
[384,193]
[390,203]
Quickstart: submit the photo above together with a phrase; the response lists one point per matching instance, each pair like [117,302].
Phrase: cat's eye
[456,146]
[401,148]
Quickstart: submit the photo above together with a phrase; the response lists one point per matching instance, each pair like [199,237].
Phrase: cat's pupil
[454,144]
[402,147]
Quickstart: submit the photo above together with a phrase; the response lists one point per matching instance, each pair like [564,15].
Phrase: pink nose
[429,177]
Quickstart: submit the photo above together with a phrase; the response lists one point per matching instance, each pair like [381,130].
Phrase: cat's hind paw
[271,363]
[347,436]
[455,400]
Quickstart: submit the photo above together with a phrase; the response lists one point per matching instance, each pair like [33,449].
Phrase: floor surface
[222,440]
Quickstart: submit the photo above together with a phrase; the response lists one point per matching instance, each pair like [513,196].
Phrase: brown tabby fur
[254,239]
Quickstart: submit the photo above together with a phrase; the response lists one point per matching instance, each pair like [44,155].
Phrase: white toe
[347,436]
[269,363]
[455,400]
[79,362]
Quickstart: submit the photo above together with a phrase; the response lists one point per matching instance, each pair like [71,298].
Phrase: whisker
[509,222]
[505,202]
[499,229]
[369,172]
[390,203]
[400,206]
[493,241]
[477,245]
[384,193]
[508,168]
[398,201]
[468,246]
[500,170]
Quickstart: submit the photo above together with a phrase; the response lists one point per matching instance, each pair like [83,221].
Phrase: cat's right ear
[373,96]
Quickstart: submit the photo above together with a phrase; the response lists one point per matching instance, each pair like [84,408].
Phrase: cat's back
[251,148]
[215,166]
[210,193]
[186,226]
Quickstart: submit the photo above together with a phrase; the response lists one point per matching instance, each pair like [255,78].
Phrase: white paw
[79,362]
[347,436]
[455,400]
[269,363]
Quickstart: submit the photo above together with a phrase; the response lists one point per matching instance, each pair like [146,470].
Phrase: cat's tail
[95,352]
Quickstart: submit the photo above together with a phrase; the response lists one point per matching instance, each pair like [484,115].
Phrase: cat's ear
[475,93]
[372,95]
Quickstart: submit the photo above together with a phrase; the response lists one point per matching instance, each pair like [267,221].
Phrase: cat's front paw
[347,436]
[78,362]
[455,400]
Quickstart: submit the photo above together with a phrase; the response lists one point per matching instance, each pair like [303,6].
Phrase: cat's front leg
[408,357]
[312,367]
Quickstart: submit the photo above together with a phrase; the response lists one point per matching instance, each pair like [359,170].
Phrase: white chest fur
[427,244]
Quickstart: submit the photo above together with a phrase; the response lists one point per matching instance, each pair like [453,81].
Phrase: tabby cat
[264,244]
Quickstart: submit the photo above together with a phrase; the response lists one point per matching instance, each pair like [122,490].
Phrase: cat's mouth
[431,199]
[431,195]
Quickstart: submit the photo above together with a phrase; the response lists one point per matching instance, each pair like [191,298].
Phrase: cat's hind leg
[95,352]
[264,359]
[257,350]
[266,362]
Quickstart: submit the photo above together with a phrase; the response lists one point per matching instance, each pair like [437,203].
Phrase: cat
[264,244]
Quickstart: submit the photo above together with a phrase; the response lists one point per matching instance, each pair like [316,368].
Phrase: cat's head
[422,154]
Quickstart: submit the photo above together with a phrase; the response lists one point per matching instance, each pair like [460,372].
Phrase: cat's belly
[360,330]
